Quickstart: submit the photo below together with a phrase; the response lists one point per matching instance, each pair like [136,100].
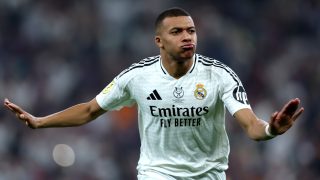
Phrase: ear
[157,40]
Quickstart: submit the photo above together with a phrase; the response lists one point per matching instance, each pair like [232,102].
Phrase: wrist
[267,131]
[38,123]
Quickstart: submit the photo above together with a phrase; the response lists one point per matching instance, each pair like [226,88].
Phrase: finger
[15,108]
[23,116]
[291,107]
[7,106]
[6,101]
[274,114]
[273,117]
[10,108]
[26,118]
[297,114]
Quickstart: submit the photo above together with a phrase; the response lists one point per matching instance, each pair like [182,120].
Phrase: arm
[279,122]
[73,116]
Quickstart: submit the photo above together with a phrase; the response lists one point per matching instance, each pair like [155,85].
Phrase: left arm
[279,122]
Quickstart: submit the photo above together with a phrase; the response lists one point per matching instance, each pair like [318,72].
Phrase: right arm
[73,116]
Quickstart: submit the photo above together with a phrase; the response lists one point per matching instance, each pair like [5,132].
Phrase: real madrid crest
[200,92]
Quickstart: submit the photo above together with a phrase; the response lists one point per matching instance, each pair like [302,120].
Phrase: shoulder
[216,67]
[138,68]
[211,63]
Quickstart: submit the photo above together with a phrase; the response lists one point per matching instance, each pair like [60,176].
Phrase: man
[181,98]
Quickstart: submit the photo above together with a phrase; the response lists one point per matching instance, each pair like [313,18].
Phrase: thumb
[27,119]
[22,116]
[273,117]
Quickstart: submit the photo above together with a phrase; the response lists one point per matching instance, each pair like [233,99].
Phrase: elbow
[93,111]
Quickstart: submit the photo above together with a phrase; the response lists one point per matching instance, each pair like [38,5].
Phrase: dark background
[56,53]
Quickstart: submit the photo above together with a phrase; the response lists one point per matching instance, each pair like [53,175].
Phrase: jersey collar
[164,71]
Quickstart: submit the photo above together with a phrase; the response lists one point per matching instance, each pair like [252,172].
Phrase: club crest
[200,92]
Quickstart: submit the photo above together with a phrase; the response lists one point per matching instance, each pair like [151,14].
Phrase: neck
[176,67]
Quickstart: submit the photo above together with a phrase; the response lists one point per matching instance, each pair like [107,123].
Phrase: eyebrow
[178,28]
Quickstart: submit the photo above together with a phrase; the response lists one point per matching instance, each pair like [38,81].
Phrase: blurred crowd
[56,53]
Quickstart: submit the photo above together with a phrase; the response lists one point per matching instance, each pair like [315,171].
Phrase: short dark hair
[172,12]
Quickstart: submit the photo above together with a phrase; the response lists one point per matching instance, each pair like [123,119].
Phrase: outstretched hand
[24,116]
[281,121]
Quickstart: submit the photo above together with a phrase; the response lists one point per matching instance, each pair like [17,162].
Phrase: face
[177,37]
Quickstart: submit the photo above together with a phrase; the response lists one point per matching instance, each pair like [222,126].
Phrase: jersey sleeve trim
[145,62]
[207,61]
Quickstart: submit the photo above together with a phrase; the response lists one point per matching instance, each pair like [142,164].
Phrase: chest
[187,92]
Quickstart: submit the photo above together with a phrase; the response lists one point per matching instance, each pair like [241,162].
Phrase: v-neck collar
[166,74]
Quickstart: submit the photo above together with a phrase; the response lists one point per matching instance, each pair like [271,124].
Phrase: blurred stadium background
[56,53]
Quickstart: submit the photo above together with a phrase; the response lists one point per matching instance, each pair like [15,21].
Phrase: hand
[27,118]
[281,121]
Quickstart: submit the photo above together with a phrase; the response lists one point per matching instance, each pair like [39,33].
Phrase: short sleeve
[115,95]
[233,93]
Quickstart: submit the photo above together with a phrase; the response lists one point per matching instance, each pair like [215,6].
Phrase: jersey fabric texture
[181,121]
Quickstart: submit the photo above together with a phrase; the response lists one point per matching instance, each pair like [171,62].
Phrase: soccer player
[181,98]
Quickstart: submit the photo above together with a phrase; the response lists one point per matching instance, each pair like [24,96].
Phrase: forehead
[177,22]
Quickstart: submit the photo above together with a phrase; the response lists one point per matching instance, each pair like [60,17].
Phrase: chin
[183,56]
[187,54]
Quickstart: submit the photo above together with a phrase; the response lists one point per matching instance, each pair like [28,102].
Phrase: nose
[186,36]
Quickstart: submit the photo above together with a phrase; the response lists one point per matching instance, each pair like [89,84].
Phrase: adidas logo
[154,96]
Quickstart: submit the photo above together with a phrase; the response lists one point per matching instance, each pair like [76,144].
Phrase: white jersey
[181,121]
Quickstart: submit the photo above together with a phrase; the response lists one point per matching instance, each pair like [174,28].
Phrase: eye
[175,31]
[191,31]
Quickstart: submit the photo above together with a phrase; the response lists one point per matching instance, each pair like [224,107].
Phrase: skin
[176,38]
[73,116]
[279,122]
